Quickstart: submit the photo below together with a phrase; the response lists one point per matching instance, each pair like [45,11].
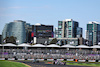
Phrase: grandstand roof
[68,45]
[53,45]
[82,46]
[38,45]
[95,46]
[9,44]
[0,45]
[24,44]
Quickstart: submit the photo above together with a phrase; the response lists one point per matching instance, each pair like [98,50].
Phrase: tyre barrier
[51,59]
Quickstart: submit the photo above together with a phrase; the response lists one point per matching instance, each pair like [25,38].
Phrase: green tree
[10,39]
[54,41]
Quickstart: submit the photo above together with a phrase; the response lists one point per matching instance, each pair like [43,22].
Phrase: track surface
[42,64]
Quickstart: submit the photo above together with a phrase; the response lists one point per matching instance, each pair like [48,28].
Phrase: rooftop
[91,22]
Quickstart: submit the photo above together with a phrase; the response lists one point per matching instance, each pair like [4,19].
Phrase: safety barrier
[51,59]
[2,58]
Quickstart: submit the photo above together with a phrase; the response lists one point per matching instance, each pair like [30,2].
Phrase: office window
[60,22]
[59,26]
[69,36]
[69,28]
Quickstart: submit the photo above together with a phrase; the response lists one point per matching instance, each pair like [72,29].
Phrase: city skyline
[49,12]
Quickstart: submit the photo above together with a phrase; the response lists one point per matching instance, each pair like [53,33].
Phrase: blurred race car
[59,63]
[35,61]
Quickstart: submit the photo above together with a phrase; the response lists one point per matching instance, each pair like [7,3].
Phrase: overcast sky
[49,11]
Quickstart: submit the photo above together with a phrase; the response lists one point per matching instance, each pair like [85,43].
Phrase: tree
[10,39]
[54,41]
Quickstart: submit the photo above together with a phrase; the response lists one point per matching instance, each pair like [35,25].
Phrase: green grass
[11,64]
[84,64]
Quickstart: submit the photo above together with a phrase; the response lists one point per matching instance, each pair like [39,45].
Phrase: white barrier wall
[70,59]
[2,58]
[50,59]
[11,58]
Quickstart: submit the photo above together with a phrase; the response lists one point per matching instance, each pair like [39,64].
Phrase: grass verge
[4,63]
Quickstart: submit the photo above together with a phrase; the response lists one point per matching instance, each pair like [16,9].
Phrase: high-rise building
[93,33]
[18,29]
[69,28]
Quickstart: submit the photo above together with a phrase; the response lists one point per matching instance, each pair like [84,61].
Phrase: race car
[59,63]
[35,61]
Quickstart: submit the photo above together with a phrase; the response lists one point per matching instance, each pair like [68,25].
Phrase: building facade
[93,33]
[41,33]
[18,29]
[68,28]
[69,32]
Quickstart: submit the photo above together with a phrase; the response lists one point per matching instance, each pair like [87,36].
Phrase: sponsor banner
[11,58]
[30,59]
[21,59]
[60,59]
[81,60]
[50,59]
[40,59]
[91,60]
[70,59]
[2,58]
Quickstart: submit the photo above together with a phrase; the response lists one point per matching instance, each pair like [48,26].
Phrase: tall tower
[68,28]
[93,33]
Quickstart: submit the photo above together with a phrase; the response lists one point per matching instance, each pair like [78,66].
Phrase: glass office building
[93,33]
[18,29]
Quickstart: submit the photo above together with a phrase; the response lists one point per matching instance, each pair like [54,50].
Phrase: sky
[49,12]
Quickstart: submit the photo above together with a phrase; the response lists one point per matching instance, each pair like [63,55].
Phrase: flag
[32,34]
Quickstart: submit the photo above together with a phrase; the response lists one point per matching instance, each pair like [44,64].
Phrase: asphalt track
[42,64]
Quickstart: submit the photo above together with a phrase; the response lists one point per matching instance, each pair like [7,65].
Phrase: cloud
[21,7]
[42,7]
[9,15]
[16,7]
